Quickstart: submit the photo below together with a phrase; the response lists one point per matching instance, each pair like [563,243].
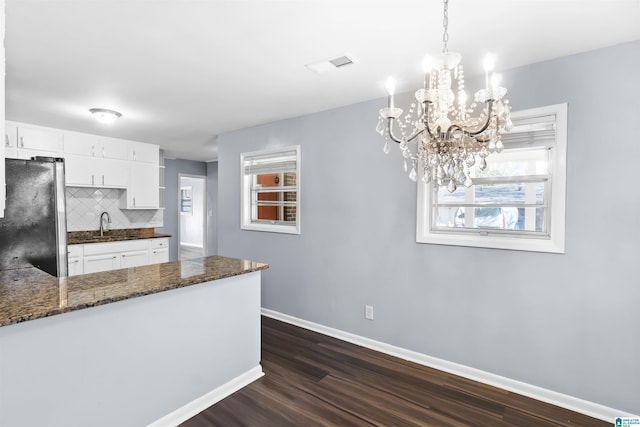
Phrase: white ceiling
[182,72]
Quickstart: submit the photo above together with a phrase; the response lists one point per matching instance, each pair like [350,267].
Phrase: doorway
[192,208]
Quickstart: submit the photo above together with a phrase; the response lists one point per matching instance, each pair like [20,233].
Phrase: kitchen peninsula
[132,346]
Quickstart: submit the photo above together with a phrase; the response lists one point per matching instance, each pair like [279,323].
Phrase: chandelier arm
[393,137]
[390,131]
[486,124]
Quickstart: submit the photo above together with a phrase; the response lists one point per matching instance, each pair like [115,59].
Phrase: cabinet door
[144,186]
[81,170]
[134,259]
[158,256]
[114,173]
[80,143]
[97,263]
[75,266]
[39,139]
[147,153]
[114,148]
[10,135]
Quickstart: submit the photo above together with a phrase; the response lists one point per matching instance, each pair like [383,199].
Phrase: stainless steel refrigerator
[33,232]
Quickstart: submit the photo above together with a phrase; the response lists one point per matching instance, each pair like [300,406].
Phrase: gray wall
[568,323]
[174,167]
[212,208]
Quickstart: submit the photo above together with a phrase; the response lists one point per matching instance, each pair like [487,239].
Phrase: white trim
[556,242]
[191,245]
[571,403]
[205,210]
[198,405]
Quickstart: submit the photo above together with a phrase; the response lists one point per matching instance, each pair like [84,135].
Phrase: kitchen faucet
[102,222]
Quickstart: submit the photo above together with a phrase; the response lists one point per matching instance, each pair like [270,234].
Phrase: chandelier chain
[445,24]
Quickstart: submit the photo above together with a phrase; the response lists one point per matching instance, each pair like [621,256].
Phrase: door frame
[204,211]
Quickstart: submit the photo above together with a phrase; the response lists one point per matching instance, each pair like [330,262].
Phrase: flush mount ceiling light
[446,139]
[105,116]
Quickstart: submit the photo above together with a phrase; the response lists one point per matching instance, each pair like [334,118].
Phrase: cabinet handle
[102,179]
[114,257]
[6,140]
[134,202]
[102,151]
[92,180]
[155,252]
[93,150]
[134,155]
[123,255]
[21,142]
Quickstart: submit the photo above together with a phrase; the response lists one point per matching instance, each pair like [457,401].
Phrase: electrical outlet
[368,312]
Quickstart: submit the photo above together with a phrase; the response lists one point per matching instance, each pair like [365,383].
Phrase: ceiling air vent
[341,61]
[330,64]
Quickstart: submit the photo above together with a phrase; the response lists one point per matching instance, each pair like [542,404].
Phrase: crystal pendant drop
[452,186]
[380,127]
[386,147]
[482,164]
[426,177]
[405,165]
[471,160]
[499,146]
[413,175]
[468,182]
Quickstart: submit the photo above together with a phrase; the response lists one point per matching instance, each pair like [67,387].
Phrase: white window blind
[517,202]
[270,190]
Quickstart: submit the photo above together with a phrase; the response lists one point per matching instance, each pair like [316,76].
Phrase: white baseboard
[191,245]
[198,405]
[575,404]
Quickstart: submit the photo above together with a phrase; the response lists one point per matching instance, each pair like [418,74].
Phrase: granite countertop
[28,293]
[93,236]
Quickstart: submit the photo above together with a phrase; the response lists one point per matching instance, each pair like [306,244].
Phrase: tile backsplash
[84,206]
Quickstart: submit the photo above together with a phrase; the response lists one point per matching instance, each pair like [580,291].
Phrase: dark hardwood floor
[315,380]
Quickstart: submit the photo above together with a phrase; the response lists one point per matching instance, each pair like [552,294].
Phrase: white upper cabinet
[92,161]
[35,141]
[81,171]
[81,144]
[114,148]
[10,140]
[144,180]
[147,153]
[143,192]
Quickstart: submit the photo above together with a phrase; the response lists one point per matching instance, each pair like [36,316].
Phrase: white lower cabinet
[98,263]
[97,257]
[134,258]
[75,259]
[159,251]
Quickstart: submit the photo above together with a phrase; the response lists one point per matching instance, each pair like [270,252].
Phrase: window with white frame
[517,203]
[271,190]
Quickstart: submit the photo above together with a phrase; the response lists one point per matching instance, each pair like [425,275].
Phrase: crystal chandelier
[440,134]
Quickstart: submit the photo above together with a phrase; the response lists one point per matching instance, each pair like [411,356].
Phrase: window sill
[272,228]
